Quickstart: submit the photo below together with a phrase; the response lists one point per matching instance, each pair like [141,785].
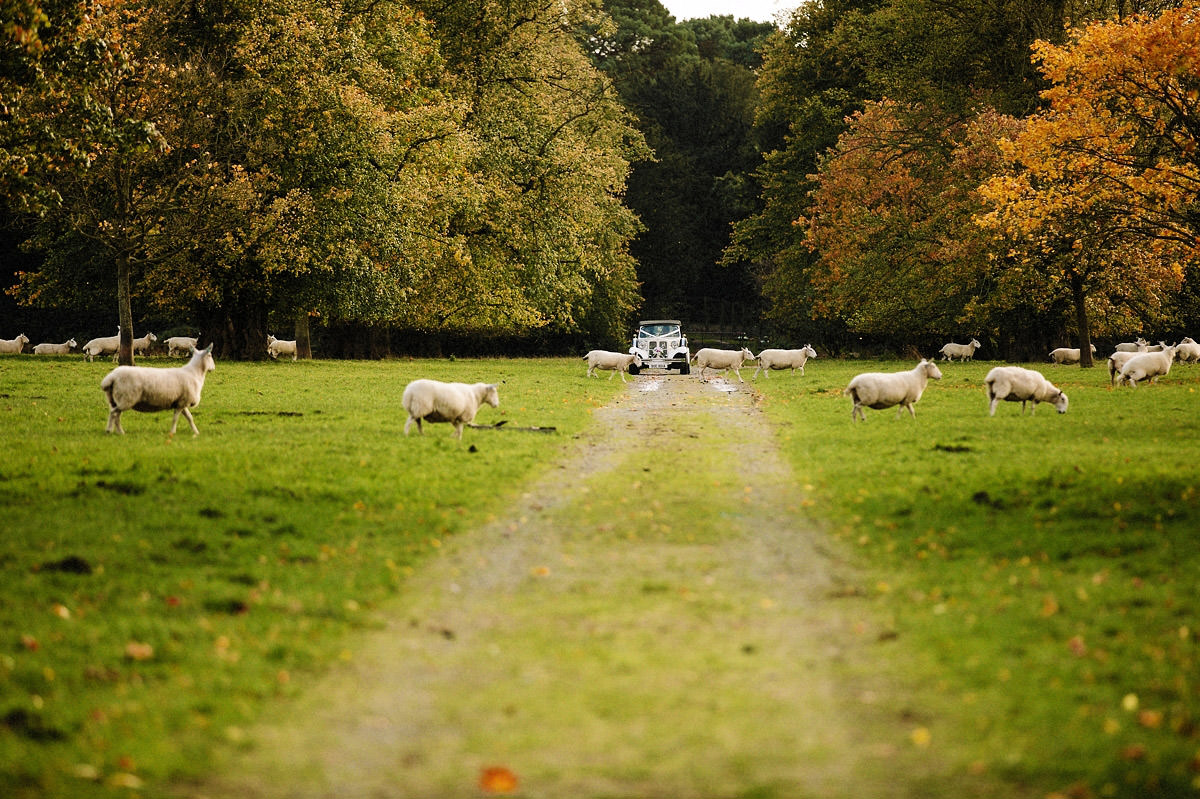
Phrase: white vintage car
[661,345]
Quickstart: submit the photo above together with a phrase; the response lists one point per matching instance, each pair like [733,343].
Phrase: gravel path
[650,620]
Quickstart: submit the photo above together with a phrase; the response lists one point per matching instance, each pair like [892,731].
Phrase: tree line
[1023,172]
[432,165]
[901,170]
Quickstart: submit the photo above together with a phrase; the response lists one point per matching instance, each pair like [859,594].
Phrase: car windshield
[647,331]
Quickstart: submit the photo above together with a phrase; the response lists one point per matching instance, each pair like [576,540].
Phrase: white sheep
[965,352]
[1146,365]
[457,403]
[724,360]
[144,388]
[13,346]
[1116,361]
[106,345]
[784,359]
[1015,384]
[277,347]
[1067,355]
[615,361]
[1188,350]
[55,349]
[881,390]
[1135,346]
[180,345]
[141,345]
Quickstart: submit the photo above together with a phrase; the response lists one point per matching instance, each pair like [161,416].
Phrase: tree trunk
[124,312]
[303,338]
[1081,322]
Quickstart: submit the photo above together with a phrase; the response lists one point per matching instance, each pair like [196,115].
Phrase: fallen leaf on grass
[125,780]
[1134,752]
[1150,719]
[921,737]
[136,650]
[1077,646]
[497,779]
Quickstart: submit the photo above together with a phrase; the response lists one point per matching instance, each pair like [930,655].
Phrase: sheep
[55,349]
[614,361]
[1067,355]
[708,358]
[1115,362]
[1136,346]
[784,359]
[276,347]
[964,352]
[457,403]
[1146,365]
[15,345]
[1015,384]
[1188,350]
[881,390]
[106,345]
[144,388]
[180,345]
[141,345]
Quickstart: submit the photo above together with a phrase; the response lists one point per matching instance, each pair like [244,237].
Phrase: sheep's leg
[114,421]
[623,380]
[613,374]
[992,405]
[738,372]
[188,415]
[458,428]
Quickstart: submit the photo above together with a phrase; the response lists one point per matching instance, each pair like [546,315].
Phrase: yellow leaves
[139,651]
[921,737]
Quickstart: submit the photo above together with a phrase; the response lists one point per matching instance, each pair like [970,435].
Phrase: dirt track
[593,645]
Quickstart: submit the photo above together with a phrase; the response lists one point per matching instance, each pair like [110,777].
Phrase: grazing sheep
[457,403]
[276,347]
[614,361]
[55,349]
[180,345]
[1188,350]
[1115,362]
[881,390]
[1136,346]
[141,345]
[1015,384]
[965,352]
[784,359]
[13,346]
[144,388]
[1146,365]
[1066,355]
[107,345]
[724,360]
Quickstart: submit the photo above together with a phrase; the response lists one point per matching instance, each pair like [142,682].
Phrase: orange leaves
[497,779]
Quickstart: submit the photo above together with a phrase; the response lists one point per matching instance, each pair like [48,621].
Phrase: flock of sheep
[1130,363]
[142,388]
[176,346]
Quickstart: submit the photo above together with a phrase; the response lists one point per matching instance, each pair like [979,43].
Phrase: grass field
[156,592]
[1042,571]
[1038,577]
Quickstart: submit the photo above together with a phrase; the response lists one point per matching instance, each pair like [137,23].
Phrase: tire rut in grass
[650,620]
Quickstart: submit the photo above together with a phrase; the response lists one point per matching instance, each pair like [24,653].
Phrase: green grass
[157,592]
[1043,570]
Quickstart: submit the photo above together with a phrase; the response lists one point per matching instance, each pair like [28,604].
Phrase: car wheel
[634,369]
[685,369]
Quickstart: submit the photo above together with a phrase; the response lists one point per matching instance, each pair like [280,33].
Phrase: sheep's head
[637,360]
[747,354]
[72,343]
[809,351]
[975,343]
[492,397]
[930,369]
[1060,402]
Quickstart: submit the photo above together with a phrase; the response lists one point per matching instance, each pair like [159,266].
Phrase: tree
[1101,191]
[891,222]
